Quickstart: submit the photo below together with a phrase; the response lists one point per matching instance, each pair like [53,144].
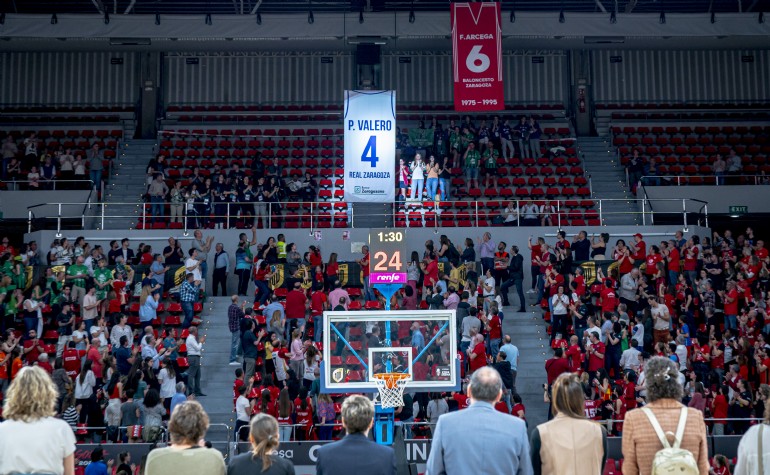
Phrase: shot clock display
[386,257]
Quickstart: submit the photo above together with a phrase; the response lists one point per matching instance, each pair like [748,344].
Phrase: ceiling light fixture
[54,19]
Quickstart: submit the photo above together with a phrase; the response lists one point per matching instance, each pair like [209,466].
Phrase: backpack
[672,459]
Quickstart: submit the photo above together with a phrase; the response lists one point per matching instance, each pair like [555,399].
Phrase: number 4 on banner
[370,152]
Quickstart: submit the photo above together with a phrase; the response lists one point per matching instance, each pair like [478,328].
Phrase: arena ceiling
[293,6]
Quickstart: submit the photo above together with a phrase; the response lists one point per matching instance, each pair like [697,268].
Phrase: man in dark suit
[355,453]
[515,278]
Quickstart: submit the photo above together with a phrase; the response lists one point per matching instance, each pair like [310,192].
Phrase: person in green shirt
[249,243]
[489,158]
[76,275]
[102,280]
[281,247]
[472,159]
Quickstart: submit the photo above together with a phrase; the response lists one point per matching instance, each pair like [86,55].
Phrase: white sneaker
[531,291]
[235,363]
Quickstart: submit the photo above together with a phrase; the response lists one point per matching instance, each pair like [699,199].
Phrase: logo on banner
[477,54]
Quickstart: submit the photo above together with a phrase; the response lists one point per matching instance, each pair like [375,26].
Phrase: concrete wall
[719,198]
[14,204]
[332,239]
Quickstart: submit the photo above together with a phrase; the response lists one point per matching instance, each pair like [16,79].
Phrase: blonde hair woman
[263,436]
[187,426]
[29,411]
[554,448]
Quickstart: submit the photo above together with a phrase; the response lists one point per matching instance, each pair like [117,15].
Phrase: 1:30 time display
[392,236]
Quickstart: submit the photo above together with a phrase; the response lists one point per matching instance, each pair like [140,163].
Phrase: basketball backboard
[359,344]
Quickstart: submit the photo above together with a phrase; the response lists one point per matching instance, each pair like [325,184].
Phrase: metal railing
[85,184]
[710,180]
[315,215]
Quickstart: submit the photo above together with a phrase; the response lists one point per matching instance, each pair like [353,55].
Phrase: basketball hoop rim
[391,380]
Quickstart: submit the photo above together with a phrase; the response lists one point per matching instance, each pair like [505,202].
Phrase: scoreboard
[386,256]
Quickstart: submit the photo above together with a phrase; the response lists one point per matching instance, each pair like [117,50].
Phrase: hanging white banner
[370,146]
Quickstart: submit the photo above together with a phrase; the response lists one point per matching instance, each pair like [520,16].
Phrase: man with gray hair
[454,451]
[355,453]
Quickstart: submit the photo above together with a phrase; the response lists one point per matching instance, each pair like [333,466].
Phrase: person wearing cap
[638,248]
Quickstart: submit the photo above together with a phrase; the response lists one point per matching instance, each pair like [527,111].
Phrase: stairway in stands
[608,179]
[127,184]
[216,375]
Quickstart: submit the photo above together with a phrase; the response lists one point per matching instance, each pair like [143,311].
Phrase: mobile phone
[272,268]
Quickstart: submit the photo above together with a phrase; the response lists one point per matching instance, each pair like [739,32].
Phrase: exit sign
[738,210]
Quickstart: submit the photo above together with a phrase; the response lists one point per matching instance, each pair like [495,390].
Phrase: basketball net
[391,387]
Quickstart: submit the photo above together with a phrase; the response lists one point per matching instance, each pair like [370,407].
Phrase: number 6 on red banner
[477,52]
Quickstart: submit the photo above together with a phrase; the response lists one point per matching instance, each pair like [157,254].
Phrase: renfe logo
[387,278]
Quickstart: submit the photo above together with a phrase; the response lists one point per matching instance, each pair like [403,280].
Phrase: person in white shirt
[630,360]
[243,410]
[99,333]
[85,383]
[560,305]
[194,348]
[529,214]
[34,440]
[418,178]
[488,289]
[193,266]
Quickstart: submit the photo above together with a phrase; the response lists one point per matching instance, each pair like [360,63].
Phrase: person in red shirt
[629,390]
[638,248]
[595,350]
[33,347]
[315,257]
[609,300]
[760,250]
[71,360]
[462,400]
[592,408]
[580,282]
[719,410]
[318,303]
[690,261]
[303,410]
[731,300]
[430,269]
[332,269]
[651,261]
[672,261]
[622,255]
[237,384]
[364,263]
[574,355]
[477,354]
[535,253]
[556,366]
[495,331]
[262,275]
[42,361]
[296,305]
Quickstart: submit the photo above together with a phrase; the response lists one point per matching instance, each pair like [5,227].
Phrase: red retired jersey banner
[478,56]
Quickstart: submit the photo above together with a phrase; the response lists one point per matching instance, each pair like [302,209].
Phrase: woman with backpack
[645,429]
